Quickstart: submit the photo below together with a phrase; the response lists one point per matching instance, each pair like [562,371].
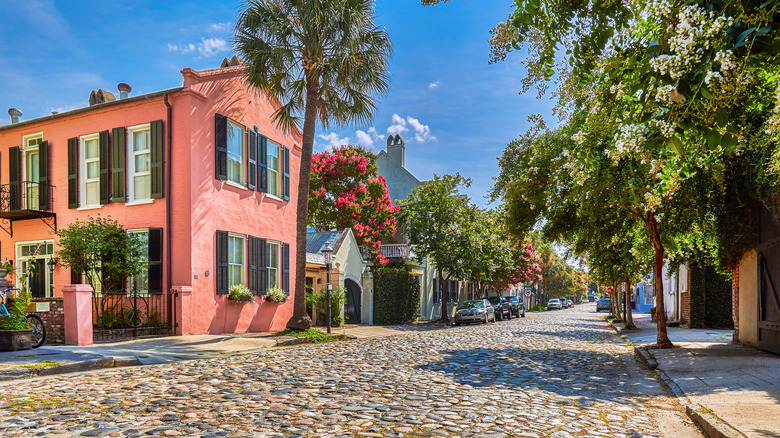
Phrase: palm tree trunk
[662,339]
[300,319]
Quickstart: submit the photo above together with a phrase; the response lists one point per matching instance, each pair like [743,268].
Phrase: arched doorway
[352,308]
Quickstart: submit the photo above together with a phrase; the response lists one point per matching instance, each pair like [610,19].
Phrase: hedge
[710,298]
[396,296]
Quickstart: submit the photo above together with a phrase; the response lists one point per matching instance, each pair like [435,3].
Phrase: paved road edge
[713,426]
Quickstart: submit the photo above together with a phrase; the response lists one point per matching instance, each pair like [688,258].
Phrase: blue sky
[455,111]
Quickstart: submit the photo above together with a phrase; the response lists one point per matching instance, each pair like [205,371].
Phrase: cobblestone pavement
[557,374]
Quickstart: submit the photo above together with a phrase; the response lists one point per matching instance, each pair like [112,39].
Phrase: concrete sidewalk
[734,390]
[57,359]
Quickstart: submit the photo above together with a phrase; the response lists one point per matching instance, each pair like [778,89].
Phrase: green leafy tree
[100,249]
[348,193]
[434,216]
[323,61]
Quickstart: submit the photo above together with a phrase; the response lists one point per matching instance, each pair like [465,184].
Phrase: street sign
[528,293]
[527,288]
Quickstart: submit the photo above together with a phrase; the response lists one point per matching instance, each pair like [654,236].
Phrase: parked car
[517,306]
[502,307]
[604,304]
[475,311]
[554,303]
[569,303]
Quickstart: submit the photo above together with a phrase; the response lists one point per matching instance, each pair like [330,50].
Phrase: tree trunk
[300,319]
[442,299]
[628,320]
[662,340]
[613,301]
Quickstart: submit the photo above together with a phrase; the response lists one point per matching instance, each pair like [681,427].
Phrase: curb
[106,362]
[712,426]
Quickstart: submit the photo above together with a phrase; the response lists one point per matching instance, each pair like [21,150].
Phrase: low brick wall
[54,320]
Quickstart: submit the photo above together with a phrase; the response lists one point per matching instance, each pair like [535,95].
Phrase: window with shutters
[435,290]
[274,167]
[235,153]
[30,169]
[236,264]
[139,164]
[273,264]
[90,171]
[140,281]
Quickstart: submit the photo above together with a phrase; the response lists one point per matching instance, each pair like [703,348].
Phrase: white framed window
[140,281]
[139,172]
[235,153]
[272,154]
[36,255]
[31,168]
[273,264]
[236,259]
[89,171]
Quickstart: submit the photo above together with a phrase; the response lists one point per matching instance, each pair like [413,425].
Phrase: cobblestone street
[560,373]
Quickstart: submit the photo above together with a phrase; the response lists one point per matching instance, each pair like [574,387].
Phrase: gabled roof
[316,240]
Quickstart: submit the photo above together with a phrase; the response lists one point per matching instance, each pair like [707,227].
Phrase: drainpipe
[168,265]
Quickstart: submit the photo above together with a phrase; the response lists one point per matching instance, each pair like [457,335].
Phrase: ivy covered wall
[710,298]
[396,296]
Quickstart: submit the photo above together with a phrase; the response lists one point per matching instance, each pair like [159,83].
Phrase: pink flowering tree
[346,192]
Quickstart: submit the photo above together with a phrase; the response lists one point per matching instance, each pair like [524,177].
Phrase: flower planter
[14,340]
[241,299]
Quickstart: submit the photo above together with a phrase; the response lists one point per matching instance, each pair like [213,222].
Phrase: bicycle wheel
[39,330]
[135,317]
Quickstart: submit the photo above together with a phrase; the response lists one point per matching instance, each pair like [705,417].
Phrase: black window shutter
[222,262]
[118,164]
[43,176]
[155,260]
[220,146]
[73,172]
[286,184]
[156,166]
[262,269]
[15,177]
[75,277]
[251,162]
[252,265]
[262,164]
[286,268]
[105,168]
[435,290]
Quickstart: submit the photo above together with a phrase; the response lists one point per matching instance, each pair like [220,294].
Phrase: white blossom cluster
[663,93]
[666,128]
[629,140]
[578,137]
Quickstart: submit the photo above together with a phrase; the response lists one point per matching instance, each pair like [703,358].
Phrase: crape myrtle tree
[346,192]
[323,61]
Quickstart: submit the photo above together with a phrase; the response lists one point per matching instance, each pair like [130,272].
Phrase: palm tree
[324,60]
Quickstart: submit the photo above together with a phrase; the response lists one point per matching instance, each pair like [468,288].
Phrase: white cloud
[433,85]
[207,47]
[422,133]
[398,126]
[334,140]
[368,138]
[220,27]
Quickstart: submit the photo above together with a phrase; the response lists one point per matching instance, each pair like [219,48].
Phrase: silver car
[554,303]
[474,311]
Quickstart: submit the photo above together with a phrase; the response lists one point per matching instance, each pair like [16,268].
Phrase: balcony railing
[391,251]
[18,199]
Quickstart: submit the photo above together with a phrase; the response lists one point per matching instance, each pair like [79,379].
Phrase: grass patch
[311,336]
[42,364]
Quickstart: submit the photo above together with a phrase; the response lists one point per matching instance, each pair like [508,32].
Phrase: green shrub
[311,335]
[396,296]
[338,298]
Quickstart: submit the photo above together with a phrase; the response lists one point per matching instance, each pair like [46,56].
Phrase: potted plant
[15,331]
[6,267]
[240,293]
[275,295]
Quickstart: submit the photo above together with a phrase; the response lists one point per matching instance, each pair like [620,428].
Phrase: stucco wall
[748,299]
[390,165]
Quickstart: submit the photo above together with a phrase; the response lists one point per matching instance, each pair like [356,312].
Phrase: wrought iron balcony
[26,200]
[390,251]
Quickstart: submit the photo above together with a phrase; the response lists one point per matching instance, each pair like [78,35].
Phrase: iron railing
[26,195]
[122,315]
[390,251]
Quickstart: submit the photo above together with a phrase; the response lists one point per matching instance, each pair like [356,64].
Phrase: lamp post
[327,251]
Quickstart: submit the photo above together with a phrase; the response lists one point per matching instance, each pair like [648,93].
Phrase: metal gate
[768,282]
[352,308]
[122,315]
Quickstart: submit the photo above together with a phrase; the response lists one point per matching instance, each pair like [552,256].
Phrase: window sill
[235,184]
[140,202]
[274,197]
[89,207]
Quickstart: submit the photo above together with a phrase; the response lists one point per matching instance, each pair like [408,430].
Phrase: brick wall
[685,298]
[54,320]
[735,300]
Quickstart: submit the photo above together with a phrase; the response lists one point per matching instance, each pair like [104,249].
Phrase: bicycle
[36,323]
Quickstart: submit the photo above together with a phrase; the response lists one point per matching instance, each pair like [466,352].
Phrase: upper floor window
[139,164]
[272,151]
[90,170]
[31,169]
[235,153]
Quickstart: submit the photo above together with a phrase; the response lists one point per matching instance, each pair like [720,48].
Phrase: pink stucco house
[200,171]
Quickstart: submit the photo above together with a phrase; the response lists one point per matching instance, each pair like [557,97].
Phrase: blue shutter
[262,164]
[222,263]
[286,268]
[286,182]
[220,147]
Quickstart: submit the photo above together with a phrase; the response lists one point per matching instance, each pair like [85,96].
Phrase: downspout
[169,280]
